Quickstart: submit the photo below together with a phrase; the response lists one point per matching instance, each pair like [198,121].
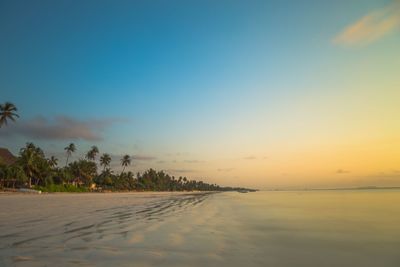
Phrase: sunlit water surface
[315,228]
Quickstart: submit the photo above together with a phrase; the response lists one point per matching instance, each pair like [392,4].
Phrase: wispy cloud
[193,161]
[250,158]
[143,158]
[182,170]
[342,171]
[225,169]
[59,128]
[371,27]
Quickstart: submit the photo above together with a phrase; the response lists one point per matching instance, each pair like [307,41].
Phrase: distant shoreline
[339,189]
[17,192]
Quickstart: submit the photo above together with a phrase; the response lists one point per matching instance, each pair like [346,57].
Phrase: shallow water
[317,228]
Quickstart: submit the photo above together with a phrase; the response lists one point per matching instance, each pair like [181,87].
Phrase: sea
[265,228]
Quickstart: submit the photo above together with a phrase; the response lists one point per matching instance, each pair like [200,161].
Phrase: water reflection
[101,224]
[226,229]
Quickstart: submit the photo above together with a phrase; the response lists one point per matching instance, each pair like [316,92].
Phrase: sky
[266,94]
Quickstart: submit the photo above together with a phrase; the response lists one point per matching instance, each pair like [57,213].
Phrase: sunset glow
[265,95]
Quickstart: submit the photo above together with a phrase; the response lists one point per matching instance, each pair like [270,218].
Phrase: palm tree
[184,182]
[7,111]
[92,153]
[53,161]
[28,162]
[125,161]
[105,160]
[70,149]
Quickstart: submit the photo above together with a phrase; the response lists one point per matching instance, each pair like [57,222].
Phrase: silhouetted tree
[105,160]
[125,161]
[69,149]
[8,111]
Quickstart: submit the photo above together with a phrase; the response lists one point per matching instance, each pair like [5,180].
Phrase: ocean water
[310,228]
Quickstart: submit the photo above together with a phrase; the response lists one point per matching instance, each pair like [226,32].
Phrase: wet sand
[201,229]
[68,229]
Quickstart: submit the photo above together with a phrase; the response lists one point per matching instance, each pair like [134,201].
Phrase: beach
[328,228]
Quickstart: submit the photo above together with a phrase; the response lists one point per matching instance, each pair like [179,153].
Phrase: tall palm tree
[53,161]
[70,149]
[8,111]
[28,158]
[105,160]
[92,153]
[125,161]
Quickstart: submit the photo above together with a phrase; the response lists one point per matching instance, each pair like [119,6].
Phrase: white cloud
[371,27]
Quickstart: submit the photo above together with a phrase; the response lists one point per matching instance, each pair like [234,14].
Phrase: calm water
[324,228]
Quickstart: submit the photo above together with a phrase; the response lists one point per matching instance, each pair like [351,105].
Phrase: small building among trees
[6,157]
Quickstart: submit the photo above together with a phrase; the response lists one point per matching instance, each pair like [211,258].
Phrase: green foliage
[61,188]
[69,149]
[33,168]
[125,161]
[63,175]
[105,160]
[34,164]
[84,171]
[151,180]
[8,111]
[92,153]
[12,175]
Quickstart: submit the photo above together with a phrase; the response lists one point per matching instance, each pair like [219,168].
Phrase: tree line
[33,169]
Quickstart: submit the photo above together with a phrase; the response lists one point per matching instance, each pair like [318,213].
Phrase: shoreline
[15,192]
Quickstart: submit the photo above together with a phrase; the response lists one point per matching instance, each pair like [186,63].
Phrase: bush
[61,188]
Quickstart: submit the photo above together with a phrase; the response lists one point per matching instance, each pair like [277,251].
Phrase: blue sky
[196,86]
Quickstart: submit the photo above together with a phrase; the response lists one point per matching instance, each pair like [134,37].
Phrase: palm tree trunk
[66,163]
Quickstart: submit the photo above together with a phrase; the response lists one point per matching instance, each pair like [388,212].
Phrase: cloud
[143,158]
[225,169]
[250,158]
[59,128]
[178,154]
[181,170]
[371,27]
[194,161]
[341,171]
